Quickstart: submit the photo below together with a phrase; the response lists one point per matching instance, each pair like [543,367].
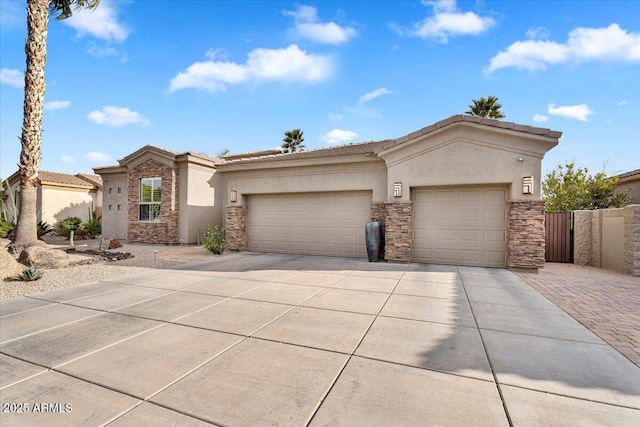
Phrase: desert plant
[214,239]
[93,227]
[9,212]
[44,228]
[70,223]
[6,228]
[29,274]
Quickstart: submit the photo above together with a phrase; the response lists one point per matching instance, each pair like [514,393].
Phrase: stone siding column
[526,234]
[379,214]
[399,231]
[632,240]
[582,239]
[236,222]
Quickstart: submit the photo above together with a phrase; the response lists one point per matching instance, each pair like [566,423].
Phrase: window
[150,199]
[110,190]
[119,207]
[119,190]
[110,207]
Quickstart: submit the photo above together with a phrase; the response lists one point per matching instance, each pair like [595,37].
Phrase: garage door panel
[466,226]
[319,224]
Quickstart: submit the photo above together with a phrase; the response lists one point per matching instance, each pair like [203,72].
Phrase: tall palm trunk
[31,139]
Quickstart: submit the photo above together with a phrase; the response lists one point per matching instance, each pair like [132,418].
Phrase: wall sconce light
[527,185]
[397,189]
[520,159]
[233,196]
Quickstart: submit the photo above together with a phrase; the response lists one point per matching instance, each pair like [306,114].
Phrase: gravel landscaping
[145,257]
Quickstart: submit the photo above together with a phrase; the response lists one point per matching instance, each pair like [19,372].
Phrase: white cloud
[447,21]
[579,112]
[336,116]
[12,13]
[101,22]
[338,136]
[374,94]
[57,105]
[100,51]
[540,118]
[288,64]
[309,27]
[96,157]
[11,77]
[624,102]
[117,116]
[583,44]
[537,33]
[67,159]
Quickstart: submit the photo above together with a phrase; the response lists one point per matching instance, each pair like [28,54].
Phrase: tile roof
[377,146]
[630,174]
[167,151]
[66,178]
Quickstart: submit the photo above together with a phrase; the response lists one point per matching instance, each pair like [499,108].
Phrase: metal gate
[559,237]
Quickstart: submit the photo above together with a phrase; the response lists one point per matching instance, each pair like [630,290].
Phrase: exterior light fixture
[520,159]
[233,196]
[397,189]
[527,185]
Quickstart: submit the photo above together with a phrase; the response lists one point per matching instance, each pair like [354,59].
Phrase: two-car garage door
[460,226]
[309,223]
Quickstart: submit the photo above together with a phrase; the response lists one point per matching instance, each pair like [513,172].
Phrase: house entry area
[324,223]
[460,226]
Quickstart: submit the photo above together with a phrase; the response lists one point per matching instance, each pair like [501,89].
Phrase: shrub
[29,274]
[93,227]
[5,229]
[70,223]
[214,239]
[44,228]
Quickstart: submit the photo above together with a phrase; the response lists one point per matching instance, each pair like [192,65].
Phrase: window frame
[153,206]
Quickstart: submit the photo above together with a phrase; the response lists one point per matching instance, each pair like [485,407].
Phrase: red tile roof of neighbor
[629,175]
[374,146]
[81,179]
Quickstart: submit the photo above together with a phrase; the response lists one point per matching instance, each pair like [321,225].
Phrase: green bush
[70,223]
[44,228]
[5,229]
[93,227]
[214,239]
[29,274]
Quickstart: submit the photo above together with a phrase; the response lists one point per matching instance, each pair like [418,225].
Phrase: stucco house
[462,191]
[630,181]
[156,195]
[59,195]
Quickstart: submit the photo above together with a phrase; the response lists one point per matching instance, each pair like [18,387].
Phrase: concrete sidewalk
[263,339]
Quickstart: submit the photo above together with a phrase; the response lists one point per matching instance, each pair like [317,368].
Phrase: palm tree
[34,87]
[488,108]
[293,141]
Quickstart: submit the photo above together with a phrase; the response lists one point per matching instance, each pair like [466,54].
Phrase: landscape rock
[114,244]
[109,243]
[43,257]
[9,267]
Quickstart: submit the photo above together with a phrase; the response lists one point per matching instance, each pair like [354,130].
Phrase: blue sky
[208,75]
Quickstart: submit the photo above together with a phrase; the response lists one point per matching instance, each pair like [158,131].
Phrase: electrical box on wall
[527,185]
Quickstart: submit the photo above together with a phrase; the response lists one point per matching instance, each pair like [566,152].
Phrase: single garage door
[460,226]
[311,223]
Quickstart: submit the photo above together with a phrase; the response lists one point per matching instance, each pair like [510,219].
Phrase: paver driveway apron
[270,339]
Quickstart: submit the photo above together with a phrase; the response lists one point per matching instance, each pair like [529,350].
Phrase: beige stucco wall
[633,187]
[200,200]
[114,220]
[366,175]
[582,238]
[466,155]
[59,203]
[613,239]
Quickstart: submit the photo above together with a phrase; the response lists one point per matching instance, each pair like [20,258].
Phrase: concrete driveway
[263,339]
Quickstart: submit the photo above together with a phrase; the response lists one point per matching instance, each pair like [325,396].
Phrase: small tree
[223,152]
[568,188]
[292,141]
[487,108]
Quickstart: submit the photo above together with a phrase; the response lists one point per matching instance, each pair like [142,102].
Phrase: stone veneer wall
[379,214]
[632,240]
[165,230]
[399,231]
[589,233]
[236,226]
[526,234]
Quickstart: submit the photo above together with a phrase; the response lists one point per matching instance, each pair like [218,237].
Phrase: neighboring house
[630,181]
[155,195]
[462,191]
[59,195]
